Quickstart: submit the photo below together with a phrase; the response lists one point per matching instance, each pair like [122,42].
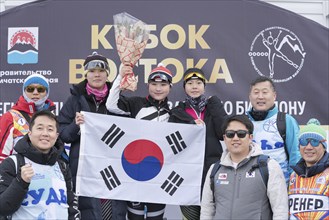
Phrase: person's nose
[260,95]
[45,132]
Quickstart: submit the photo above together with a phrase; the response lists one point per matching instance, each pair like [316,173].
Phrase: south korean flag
[138,160]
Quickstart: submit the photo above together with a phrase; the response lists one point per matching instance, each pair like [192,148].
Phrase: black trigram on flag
[112,136]
[176,142]
[110,178]
[172,183]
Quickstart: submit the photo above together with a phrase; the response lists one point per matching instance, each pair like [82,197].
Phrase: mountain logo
[22,45]
[277,52]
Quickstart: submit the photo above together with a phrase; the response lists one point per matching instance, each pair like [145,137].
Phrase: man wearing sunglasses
[15,123]
[308,186]
[239,191]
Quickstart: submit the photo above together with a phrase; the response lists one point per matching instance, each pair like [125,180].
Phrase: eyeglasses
[31,89]
[158,77]
[303,142]
[96,64]
[240,133]
[190,75]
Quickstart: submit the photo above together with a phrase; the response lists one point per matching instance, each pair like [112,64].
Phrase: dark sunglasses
[240,133]
[31,89]
[314,143]
[96,64]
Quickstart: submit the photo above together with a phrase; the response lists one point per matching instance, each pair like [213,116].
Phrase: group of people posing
[268,169]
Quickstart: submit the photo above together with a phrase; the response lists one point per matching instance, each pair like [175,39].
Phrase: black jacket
[13,188]
[70,133]
[214,117]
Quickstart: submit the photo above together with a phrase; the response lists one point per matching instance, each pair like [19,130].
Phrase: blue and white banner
[138,160]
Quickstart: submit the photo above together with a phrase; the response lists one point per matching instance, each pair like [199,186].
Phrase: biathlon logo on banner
[139,160]
[278,53]
[23,45]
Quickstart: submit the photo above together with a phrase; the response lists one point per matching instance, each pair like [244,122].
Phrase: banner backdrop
[157,162]
[232,41]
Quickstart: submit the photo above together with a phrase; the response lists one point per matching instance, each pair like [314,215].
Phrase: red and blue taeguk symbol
[142,160]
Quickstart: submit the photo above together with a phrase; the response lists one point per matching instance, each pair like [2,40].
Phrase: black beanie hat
[95,56]
[194,73]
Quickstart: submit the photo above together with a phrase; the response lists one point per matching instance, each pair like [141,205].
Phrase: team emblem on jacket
[222,176]
[321,180]
[250,174]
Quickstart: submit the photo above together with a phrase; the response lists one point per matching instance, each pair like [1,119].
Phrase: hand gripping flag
[138,160]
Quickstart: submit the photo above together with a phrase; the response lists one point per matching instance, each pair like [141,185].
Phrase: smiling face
[238,147]
[97,78]
[194,88]
[311,154]
[35,92]
[43,133]
[262,96]
[159,90]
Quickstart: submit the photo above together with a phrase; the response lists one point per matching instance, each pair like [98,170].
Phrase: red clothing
[14,126]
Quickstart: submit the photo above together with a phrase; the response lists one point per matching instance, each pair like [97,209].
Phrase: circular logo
[278,53]
[142,160]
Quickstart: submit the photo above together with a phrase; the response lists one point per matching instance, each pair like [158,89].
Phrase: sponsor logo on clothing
[301,203]
[21,121]
[222,176]
[224,182]
[321,180]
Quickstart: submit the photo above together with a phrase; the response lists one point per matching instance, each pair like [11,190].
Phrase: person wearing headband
[200,110]
[309,183]
[89,95]
[153,107]
[15,122]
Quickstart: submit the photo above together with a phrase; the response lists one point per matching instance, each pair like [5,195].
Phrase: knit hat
[194,73]
[36,79]
[315,131]
[94,61]
[160,73]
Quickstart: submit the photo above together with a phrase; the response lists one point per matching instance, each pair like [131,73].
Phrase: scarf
[198,104]
[40,104]
[99,94]
[259,115]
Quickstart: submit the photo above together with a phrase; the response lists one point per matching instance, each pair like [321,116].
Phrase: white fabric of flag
[139,160]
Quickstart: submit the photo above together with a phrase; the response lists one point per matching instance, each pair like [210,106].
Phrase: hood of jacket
[25,147]
[255,150]
[29,107]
